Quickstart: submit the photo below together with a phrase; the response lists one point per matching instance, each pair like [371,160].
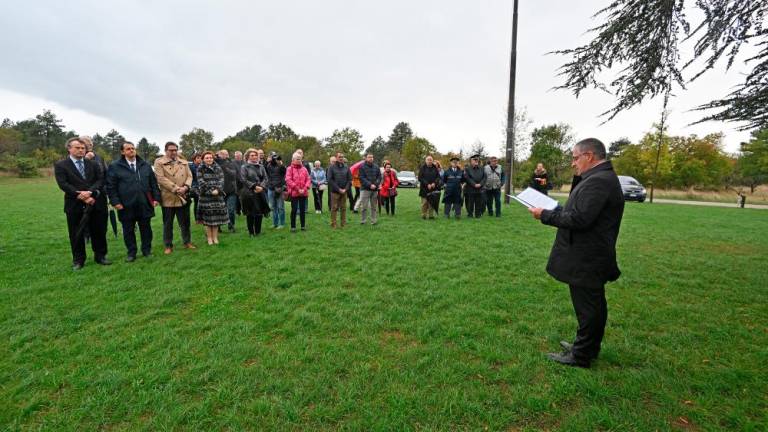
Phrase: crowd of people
[216,189]
[583,255]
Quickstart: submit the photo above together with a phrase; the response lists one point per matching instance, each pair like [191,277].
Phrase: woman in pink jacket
[297,185]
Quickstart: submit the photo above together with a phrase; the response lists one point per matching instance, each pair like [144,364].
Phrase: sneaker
[303,228]
[293,230]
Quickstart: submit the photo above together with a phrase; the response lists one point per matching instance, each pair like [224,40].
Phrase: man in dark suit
[133,191]
[85,203]
[584,252]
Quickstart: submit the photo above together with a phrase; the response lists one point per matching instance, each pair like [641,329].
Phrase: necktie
[133,168]
[80,167]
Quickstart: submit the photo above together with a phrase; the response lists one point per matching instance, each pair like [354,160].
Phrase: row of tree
[38,142]
[683,161]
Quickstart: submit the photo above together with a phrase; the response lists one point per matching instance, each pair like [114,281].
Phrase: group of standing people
[477,188]
[583,254]
[217,188]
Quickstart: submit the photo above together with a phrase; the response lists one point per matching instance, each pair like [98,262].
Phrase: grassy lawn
[409,325]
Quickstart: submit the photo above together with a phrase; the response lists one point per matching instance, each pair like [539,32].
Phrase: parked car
[407,179]
[633,190]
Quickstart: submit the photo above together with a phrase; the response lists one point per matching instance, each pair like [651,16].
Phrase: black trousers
[475,204]
[96,227]
[298,204]
[592,313]
[182,215]
[195,199]
[389,204]
[254,224]
[129,235]
[317,194]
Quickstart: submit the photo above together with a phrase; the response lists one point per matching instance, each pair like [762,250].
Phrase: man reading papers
[584,252]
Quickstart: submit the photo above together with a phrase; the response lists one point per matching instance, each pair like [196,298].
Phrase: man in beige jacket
[175,180]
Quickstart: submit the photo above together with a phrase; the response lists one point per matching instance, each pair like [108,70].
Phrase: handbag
[391,192]
[323,187]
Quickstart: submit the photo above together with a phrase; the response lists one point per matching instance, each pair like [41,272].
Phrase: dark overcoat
[584,252]
[428,175]
[132,189]
[254,203]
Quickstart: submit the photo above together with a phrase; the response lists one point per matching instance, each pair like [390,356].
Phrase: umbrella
[113,221]
[83,222]
[434,199]
[356,167]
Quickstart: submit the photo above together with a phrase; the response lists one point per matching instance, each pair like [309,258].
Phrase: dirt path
[697,203]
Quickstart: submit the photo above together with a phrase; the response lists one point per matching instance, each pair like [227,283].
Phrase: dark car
[407,179]
[633,190]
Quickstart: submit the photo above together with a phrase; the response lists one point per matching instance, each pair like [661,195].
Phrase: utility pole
[509,185]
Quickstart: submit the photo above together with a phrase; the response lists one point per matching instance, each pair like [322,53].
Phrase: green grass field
[409,325]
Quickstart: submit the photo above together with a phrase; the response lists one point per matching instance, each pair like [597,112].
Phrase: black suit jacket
[584,253]
[70,181]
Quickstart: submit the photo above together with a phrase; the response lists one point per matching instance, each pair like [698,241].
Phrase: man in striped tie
[85,203]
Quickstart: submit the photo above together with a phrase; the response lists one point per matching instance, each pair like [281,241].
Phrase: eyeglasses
[575,158]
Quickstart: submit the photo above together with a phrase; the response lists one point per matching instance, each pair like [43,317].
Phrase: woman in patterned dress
[212,207]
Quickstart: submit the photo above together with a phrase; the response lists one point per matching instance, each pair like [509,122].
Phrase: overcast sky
[160,68]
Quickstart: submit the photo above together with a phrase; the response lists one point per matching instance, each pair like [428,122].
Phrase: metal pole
[509,185]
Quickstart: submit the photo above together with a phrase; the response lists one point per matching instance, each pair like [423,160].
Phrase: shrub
[27,167]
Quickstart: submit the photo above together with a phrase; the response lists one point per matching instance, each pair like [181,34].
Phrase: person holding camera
[275,188]
[213,208]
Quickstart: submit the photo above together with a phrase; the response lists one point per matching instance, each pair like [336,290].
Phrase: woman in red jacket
[388,190]
[297,183]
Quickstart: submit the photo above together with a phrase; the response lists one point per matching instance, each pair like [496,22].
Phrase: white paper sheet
[532,198]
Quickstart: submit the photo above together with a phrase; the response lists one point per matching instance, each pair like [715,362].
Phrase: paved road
[697,203]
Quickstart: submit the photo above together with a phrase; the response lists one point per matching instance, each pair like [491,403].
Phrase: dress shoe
[130,258]
[189,246]
[103,261]
[568,359]
[568,347]
[77,266]
[168,251]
